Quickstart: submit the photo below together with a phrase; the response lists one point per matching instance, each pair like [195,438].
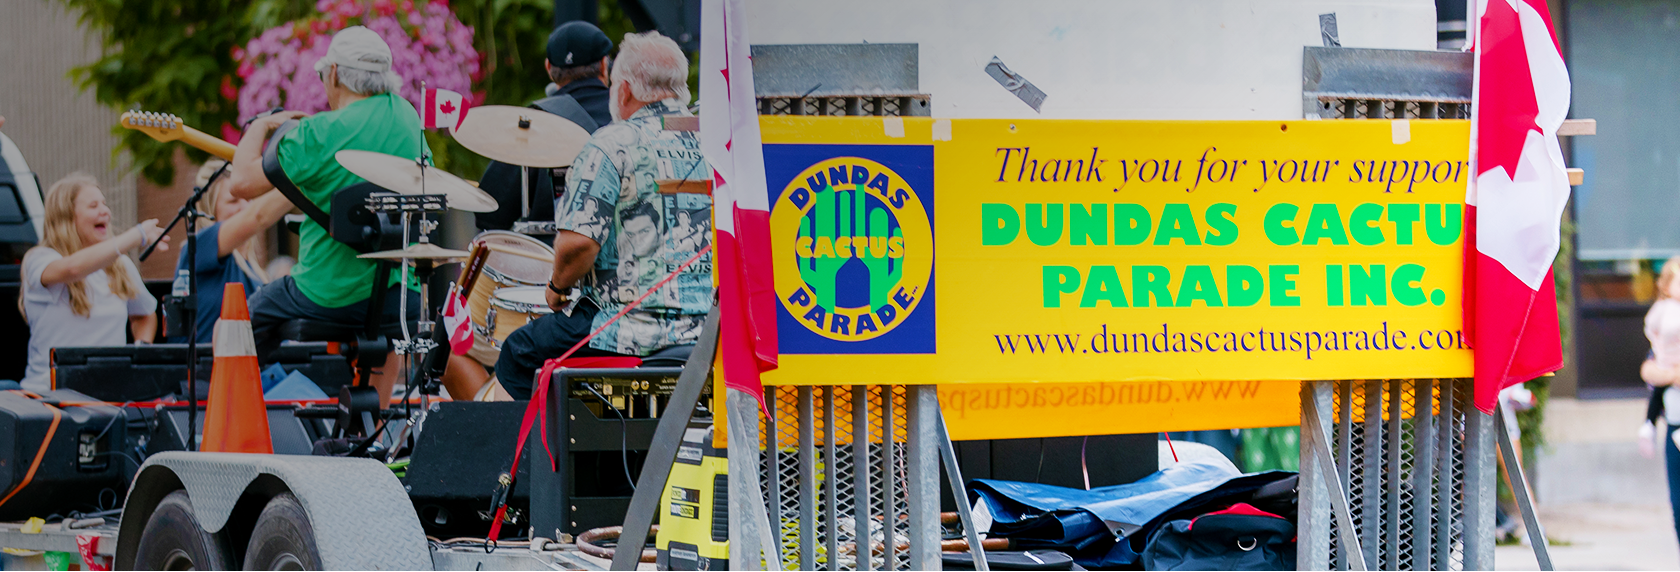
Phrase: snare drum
[500,259]
[512,308]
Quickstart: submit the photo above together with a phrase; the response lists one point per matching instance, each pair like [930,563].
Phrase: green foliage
[172,57]
[175,56]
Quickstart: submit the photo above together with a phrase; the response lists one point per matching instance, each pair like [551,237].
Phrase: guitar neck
[204,142]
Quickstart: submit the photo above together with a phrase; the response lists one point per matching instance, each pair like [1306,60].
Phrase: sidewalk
[1601,537]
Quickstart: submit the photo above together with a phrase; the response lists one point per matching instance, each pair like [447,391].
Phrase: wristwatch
[564,294]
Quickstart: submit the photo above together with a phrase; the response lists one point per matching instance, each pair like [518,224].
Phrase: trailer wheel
[283,538]
[174,540]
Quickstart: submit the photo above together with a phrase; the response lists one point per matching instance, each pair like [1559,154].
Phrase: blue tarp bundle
[1096,526]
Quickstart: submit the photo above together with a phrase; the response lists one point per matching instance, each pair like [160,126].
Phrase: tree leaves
[173,56]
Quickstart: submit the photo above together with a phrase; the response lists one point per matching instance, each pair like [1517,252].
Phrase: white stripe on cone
[234,339]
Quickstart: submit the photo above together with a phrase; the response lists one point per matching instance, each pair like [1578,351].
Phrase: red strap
[1241,508]
[602,362]
[537,410]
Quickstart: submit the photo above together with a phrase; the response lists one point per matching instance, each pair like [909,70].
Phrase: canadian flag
[740,202]
[1516,200]
[443,108]
[456,322]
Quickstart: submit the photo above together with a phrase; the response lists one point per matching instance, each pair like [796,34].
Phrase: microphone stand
[190,306]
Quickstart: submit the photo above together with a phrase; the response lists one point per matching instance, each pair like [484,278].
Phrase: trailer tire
[174,540]
[283,538]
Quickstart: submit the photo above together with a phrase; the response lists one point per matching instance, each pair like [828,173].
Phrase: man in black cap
[577,63]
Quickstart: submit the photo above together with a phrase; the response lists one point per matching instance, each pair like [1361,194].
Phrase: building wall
[59,128]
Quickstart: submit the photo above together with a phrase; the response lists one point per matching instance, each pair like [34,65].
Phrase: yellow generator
[694,527]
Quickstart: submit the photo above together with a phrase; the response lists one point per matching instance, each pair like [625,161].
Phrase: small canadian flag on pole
[443,108]
[456,322]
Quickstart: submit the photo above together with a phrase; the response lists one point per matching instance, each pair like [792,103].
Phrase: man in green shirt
[329,282]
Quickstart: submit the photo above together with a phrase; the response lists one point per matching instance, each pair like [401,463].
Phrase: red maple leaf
[1507,106]
[448,107]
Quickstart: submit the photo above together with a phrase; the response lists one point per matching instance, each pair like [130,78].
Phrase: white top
[1662,328]
[52,324]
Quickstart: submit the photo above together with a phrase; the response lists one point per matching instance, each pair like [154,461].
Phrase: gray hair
[363,82]
[654,67]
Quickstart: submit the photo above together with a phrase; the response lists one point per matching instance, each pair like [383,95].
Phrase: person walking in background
[79,289]
[1660,370]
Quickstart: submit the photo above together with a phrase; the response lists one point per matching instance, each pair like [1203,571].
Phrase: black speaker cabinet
[75,452]
[463,448]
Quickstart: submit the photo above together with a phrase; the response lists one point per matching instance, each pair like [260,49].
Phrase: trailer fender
[362,517]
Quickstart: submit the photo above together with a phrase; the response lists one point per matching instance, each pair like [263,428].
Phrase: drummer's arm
[574,254]
[255,218]
[248,180]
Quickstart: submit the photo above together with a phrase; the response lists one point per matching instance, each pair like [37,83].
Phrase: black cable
[131,458]
[623,434]
[113,421]
[383,423]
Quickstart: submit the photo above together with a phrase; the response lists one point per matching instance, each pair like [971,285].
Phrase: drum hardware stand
[428,372]
[189,306]
[524,179]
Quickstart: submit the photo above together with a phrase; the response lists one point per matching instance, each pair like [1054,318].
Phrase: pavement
[1603,503]
[1599,536]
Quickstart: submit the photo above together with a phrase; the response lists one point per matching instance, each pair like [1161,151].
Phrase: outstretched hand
[147,233]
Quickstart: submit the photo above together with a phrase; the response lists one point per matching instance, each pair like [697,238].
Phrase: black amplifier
[146,372]
[62,452]
[637,393]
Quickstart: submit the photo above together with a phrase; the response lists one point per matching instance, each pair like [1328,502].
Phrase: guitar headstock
[160,126]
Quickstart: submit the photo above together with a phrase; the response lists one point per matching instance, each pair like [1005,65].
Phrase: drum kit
[505,273]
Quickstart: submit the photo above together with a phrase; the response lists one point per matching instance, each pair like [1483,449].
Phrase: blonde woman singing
[79,289]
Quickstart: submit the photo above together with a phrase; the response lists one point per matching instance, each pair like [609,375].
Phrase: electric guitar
[166,127]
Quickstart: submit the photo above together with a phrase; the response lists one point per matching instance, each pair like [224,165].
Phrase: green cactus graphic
[849,207]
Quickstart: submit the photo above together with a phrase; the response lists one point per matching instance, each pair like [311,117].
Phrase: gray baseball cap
[359,48]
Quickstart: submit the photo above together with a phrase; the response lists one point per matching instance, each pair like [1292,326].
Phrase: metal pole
[1519,488]
[831,480]
[773,470]
[524,194]
[860,477]
[807,481]
[964,511]
[1313,549]
[1349,535]
[1481,477]
[750,545]
[922,484]
[1370,472]
[889,482]
[1423,473]
[662,452]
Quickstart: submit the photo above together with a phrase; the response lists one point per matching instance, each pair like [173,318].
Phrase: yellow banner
[1159,271]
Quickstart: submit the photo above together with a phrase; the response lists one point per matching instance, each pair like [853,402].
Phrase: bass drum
[500,259]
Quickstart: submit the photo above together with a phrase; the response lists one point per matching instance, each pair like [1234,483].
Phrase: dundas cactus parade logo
[861,249]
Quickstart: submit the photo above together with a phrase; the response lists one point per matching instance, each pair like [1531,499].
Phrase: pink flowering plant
[429,45]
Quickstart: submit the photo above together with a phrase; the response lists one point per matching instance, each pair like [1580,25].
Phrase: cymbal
[419,250]
[404,176]
[548,140]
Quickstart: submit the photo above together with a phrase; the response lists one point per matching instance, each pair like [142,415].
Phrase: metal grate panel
[1338,108]
[812,475]
[846,105]
[1401,453]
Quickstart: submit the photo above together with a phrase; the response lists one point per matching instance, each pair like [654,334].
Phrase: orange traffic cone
[235,420]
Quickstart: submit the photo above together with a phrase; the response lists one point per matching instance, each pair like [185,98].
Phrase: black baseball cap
[577,43]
